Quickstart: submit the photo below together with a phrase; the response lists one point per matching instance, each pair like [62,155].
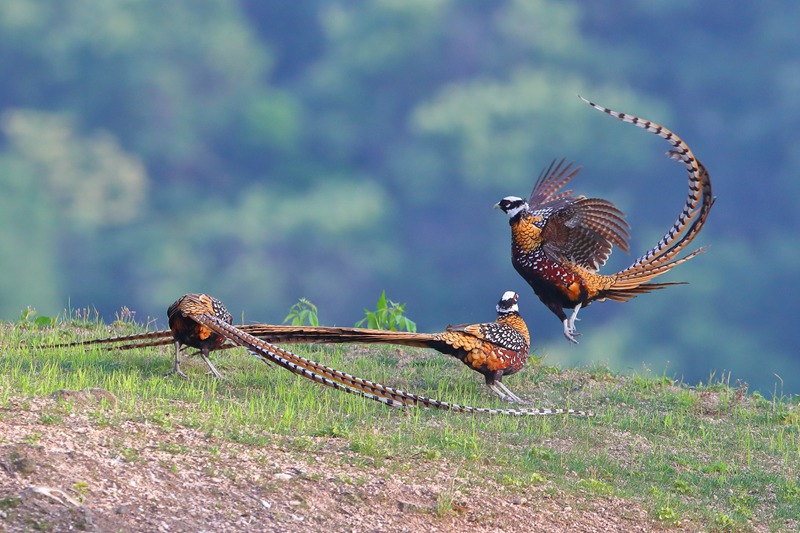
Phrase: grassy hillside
[268,447]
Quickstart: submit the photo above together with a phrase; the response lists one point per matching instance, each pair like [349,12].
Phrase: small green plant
[668,514]
[387,315]
[28,317]
[129,455]
[303,444]
[742,503]
[645,383]
[32,438]
[303,313]
[789,490]
[51,419]
[333,430]
[717,467]
[682,486]
[789,418]
[446,500]
[595,486]
[538,478]
[431,455]
[81,488]
[173,448]
[512,481]
[540,453]
[9,502]
[723,521]
[444,503]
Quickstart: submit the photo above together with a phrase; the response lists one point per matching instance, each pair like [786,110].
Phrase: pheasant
[187,331]
[559,241]
[183,331]
[493,349]
[336,379]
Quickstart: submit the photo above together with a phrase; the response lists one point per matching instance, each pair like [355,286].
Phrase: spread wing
[549,182]
[585,232]
[578,229]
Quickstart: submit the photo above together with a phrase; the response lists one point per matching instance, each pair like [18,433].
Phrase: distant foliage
[90,176]
[387,315]
[303,313]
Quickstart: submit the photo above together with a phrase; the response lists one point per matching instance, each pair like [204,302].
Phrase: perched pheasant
[494,349]
[339,380]
[559,241]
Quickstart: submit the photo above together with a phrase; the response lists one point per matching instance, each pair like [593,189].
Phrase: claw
[569,325]
[176,367]
[176,370]
[212,370]
[570,333]
[505,394]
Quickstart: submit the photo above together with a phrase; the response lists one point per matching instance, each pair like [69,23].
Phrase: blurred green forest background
[263,151]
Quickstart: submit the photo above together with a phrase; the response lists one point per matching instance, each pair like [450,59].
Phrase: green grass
[713,455]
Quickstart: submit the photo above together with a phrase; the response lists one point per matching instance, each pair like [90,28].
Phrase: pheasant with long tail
[493,349]
[559,241]
[186,331]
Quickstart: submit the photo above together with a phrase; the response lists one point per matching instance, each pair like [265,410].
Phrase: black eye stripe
[507,303]
[511,204]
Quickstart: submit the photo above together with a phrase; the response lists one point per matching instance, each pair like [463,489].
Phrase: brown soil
[77,474]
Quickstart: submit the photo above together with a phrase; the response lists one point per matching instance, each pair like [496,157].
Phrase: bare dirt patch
[74,473]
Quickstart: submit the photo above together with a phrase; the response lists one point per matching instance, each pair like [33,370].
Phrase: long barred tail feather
[273,333]
[139,340]
[338,335]
[269,357]
[692,231]
[699,189]
[633,277]
[158,341]
[662,257]
[665,261]
[342,381]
